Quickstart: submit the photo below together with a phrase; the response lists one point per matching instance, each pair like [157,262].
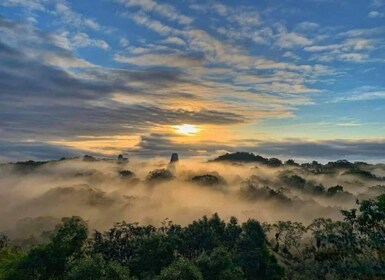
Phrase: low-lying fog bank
[34,196]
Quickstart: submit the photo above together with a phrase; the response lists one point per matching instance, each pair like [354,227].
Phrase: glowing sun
[187,129]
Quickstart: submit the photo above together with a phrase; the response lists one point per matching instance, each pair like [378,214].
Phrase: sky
[299,79]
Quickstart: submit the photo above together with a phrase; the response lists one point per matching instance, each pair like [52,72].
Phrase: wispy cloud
[376,14]
[79,40]
[288,40]
[362,96]
[155,25]
[29,4]
[240,65]
[164,10]
[356,49]
[70,17]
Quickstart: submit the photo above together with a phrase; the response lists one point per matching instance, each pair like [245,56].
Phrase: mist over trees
[209,248]
[293,220]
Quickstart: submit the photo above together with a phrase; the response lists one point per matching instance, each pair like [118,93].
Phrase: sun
[186,129]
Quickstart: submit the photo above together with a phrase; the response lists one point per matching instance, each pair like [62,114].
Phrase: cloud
[32,91]
[124,42]
[354,49]
[82,40]
[157,144]
[73,18]
[363,32]
[376,14]
[173,60]
[326,149]
[175,41]
[39,46]
[237,69]
[378,3]
[161,145]
[12,151]
[78,40]
[307,26]
[291,40]
[245,17]
[291,55]
[362,94]
[29,4]
[155,25]
[207,50]
[37,96]
[164,10]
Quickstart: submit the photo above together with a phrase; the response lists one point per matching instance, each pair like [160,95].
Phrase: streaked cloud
[29,4]
[135,68]
[164,10]
[68,16]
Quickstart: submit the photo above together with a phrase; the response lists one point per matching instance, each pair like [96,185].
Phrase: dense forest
[208,248]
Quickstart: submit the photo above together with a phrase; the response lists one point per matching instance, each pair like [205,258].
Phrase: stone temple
[174,158]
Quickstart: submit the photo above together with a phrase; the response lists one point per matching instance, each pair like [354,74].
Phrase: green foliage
[250,191]
[28,166]
[242,157]
[126,173]
[181,269]
[95,267]
[159,175]
[350,249]
[253,255]
[291,162]
[151,254]
[9,259]
[294,181]
[219,250]
[362,173]
[4,241]
[218,264]
[334,190]
[340,164]
[209,248]
[287,236]
[202,235]
[274,162]
[208,180]
[49,261]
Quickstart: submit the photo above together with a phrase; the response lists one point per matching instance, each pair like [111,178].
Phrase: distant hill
[241,157]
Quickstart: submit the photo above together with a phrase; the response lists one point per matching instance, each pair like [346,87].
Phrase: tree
[159,175]
[253,255]
[202,235]
[287,237]
[334,190]
[49,261]
[151,254]
[10,256]
[208,248]
[208,180]
[291,162]
[181,269]
[218,265]
[274,162]
[95,267]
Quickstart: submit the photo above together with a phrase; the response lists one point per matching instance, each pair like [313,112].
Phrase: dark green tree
[95,267]
[181,269]
[49,261]
[218,265]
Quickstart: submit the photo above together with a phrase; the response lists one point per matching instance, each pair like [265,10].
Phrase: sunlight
[186,129]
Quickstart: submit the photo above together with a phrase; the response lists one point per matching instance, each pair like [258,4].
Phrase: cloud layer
[234,70]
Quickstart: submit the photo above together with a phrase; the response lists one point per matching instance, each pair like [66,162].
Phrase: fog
[34,197]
